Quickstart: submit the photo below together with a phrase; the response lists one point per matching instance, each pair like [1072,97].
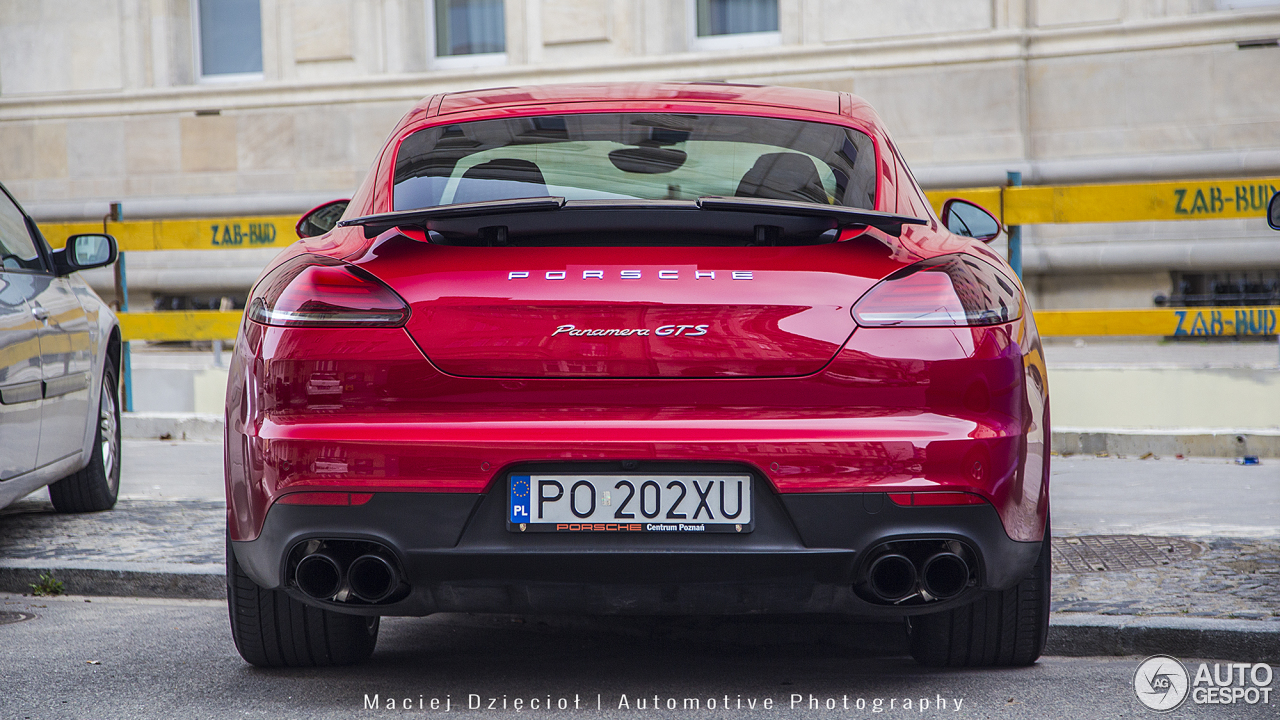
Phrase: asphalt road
[128,658]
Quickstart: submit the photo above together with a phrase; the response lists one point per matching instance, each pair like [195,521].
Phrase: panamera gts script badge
[664,331]
[633,275]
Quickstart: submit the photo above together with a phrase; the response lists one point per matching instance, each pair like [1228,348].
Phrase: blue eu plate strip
[520,499]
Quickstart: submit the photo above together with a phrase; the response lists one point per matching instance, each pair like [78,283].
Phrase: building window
[470,27]
[736,17]
[1245,4]
[230,38]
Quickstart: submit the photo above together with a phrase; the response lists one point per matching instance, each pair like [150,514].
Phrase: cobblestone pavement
[1227,578]
[1231,578]
[140,531]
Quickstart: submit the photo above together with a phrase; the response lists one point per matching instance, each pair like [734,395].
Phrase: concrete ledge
[1192,442]
[124,579]
[171,426]
[1238,640]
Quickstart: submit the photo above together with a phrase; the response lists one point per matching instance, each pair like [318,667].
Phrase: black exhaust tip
[372,578]
[944,575]
[319,576]
[891,577]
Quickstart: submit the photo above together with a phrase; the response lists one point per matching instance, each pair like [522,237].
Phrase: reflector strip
[923,499]
[325,498]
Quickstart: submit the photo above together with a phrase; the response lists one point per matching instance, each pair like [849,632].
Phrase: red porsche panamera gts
[646,348]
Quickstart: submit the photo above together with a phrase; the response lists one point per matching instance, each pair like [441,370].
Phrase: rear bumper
[805,555]
[902,452]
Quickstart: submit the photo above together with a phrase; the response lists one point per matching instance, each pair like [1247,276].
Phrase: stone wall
[99,99]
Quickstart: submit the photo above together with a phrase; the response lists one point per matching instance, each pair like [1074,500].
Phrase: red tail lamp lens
[947,291]
[321,292]
[926,499]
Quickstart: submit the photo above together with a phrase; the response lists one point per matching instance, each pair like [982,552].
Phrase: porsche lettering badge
[632,275]
[663,331]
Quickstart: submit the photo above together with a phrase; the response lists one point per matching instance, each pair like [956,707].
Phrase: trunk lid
[628,312]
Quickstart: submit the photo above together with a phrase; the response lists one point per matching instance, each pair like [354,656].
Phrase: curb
[1070,634]
[1075,635]
[1191,442]
[171,426]
[123,579]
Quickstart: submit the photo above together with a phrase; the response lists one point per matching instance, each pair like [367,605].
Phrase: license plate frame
[550,502]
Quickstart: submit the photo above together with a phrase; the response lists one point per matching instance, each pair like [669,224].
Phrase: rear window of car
[635,156]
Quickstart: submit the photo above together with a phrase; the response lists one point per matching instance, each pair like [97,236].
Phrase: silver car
[59,368]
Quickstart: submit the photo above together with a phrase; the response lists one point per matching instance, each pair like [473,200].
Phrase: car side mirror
[83,252]
[321,219]
[969,220]
[1273,212]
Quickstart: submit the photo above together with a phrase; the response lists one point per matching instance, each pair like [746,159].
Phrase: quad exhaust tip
[916,571]
[346,571]
[892,577]
[944,575]
[319,576]
[372,578]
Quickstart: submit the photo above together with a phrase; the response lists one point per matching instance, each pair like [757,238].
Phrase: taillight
[311,291]
[946,291]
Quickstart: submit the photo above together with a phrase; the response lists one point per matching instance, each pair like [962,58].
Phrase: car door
[66,364]
[21,377]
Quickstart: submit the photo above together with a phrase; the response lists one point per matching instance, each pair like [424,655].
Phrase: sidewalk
[1142,548]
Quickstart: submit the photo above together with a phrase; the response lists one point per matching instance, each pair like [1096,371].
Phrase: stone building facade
[211,108]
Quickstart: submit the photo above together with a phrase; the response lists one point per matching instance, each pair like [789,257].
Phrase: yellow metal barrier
[1030,205]
[209,234]
[1162,322]
[1185,200]
[1131,202]
[168,326]
[1172,322]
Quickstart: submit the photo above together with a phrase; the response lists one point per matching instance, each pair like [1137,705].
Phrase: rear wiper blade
[489,207]
[888,222]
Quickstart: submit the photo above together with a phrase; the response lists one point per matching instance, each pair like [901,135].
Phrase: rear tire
[97,485]
[271,629]
[1001,629]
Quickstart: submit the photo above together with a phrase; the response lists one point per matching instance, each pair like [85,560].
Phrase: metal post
[122,304]
[125,356]
[1015,232]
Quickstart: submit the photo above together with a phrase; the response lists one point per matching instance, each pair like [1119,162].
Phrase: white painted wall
[1165,398]
[98,98]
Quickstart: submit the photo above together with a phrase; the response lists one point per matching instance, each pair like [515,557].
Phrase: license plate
[630,503]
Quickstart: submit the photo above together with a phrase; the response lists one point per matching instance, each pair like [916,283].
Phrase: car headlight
[311,291]
[946,291]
